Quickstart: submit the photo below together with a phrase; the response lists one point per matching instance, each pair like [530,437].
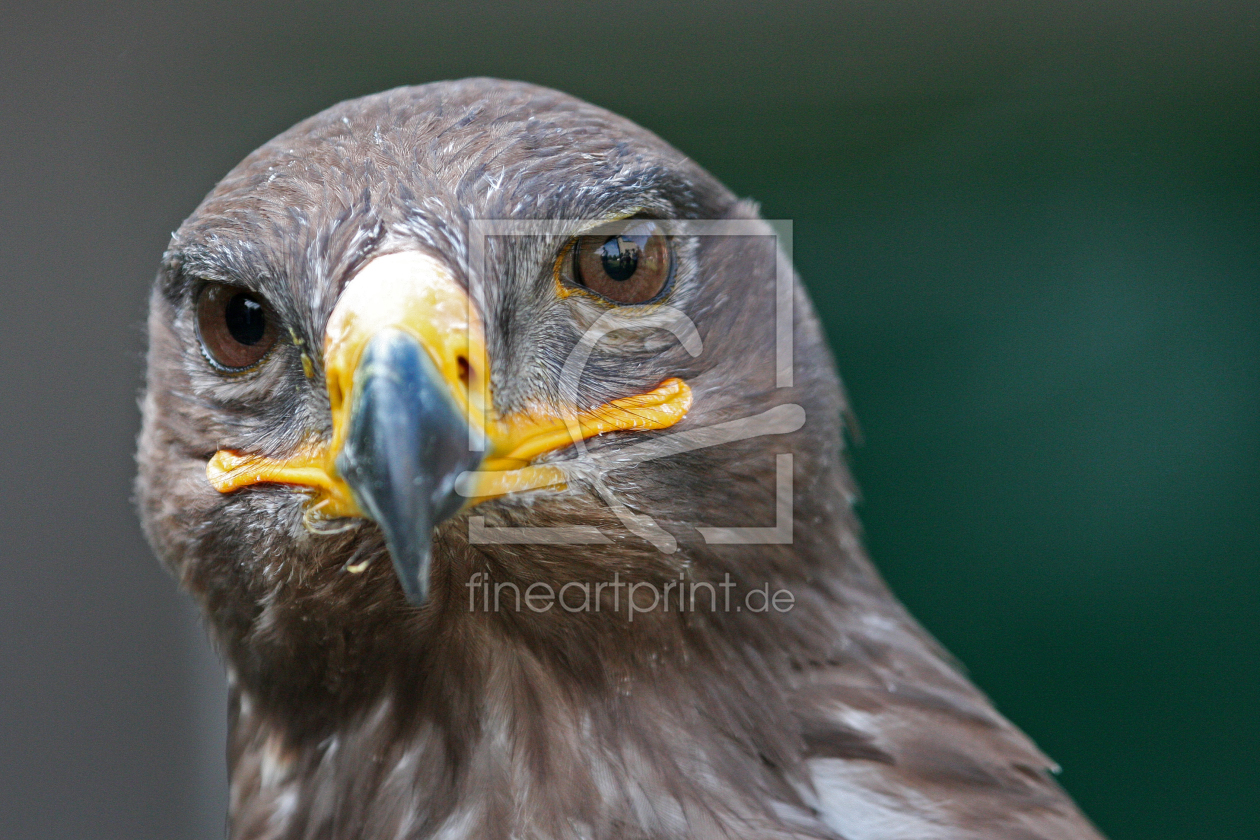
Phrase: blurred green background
[1032,230]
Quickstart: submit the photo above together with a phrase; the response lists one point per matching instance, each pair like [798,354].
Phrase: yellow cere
[416,293]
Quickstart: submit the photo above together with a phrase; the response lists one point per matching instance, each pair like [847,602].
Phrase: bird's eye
[236,327]
[631,265]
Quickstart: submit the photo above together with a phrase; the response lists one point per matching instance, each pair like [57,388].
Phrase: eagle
[503,453]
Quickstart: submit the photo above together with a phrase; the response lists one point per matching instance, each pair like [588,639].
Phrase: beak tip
[415,588]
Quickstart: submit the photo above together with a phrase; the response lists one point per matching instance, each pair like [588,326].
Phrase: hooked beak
[415,437]
[405,446]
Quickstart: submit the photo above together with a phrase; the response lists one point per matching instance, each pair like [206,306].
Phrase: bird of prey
[503,455]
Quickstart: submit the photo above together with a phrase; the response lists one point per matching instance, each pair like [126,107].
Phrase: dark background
[1033,231]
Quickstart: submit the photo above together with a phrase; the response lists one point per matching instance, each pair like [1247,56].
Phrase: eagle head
[502,452]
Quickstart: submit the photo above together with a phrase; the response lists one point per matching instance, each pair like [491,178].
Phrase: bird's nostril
[465,371]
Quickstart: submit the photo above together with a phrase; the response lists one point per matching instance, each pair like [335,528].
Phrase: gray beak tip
[414,577]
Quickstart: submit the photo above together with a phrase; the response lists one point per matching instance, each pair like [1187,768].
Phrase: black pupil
[246,320]
[620,256]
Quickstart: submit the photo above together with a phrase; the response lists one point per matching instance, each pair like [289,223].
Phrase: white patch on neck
[851,803]
[274,764]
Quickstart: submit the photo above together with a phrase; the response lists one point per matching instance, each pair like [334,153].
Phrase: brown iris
[631,264]
[235,326]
